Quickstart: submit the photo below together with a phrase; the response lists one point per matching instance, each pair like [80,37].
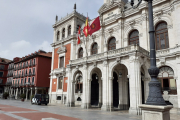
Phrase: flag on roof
[86,28]
[95,26]
[79,34]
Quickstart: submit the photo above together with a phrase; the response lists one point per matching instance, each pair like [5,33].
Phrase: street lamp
[155,96]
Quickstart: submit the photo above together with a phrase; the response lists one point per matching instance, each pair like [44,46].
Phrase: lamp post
[155,96]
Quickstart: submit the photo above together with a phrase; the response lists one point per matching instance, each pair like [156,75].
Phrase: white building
[110,68]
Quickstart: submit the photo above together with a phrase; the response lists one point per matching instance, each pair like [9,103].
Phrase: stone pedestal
[152,112]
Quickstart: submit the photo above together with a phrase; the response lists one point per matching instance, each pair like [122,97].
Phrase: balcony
[111,54]
[60,71]
[169,51]
[28,83]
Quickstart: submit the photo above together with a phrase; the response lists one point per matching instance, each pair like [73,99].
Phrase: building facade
[29,75]
[3,73]
[110,68]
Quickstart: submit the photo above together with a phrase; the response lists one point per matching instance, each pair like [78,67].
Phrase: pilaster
[135,85]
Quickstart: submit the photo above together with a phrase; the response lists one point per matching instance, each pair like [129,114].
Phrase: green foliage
[5,95]
[23,96]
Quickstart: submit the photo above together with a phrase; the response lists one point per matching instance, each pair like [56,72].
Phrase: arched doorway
[94,90]
[120,87]
[115,91]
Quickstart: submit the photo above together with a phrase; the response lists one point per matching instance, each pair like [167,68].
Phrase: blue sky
[26,25]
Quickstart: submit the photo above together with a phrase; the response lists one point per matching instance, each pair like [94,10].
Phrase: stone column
[16,97]
[26,93]
[89,93]
[85,95]
[178,82]
[100,92]
[11,91]
[31,92]
[72,99]
[105,106]
[135,85]
[120,94]
[68,87]
[110,93]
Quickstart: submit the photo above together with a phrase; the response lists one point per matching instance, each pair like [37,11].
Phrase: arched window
[58,34]
[63,33]
[78,28]
[134,37]
[166,77]
[112,44]
[69,30]
[80,55]
[79,85]
[162,39]
[94,48]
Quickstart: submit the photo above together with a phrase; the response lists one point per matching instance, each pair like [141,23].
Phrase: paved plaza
[17,110]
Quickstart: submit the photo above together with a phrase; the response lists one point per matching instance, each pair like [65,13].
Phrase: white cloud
[44,46]
[22,48]
[19,45]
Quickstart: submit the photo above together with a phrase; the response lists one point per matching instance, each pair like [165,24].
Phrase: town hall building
[109,69]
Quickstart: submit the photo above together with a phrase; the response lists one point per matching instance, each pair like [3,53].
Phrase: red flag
[86,28]
[95,26]
[79,33]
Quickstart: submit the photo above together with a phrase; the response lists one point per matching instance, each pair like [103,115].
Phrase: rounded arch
[94,48]
[129,29]
[91,71]
[57,35]
[69,30]
[170,65]
[146,74]
[74,73]
[63,32]
[111,43]
[165,18]
[80,52]
[114,65]
[133,37]
[161,35]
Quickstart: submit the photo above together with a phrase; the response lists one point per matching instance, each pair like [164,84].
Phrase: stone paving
[17,110]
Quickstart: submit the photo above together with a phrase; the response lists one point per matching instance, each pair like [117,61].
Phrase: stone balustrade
[111,54]
[168,51]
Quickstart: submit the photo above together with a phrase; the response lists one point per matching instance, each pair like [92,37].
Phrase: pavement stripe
[15,116]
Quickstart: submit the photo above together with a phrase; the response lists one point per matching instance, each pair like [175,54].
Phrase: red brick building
[30,74]
[3,73]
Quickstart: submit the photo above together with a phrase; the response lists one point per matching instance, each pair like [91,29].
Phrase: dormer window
[63,33]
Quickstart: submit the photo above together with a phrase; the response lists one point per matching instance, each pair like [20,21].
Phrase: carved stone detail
[62,49]
[105,63]
[132,23]
[162,61]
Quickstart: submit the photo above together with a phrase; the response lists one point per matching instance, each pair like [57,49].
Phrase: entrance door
[94,90]
[115,90]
